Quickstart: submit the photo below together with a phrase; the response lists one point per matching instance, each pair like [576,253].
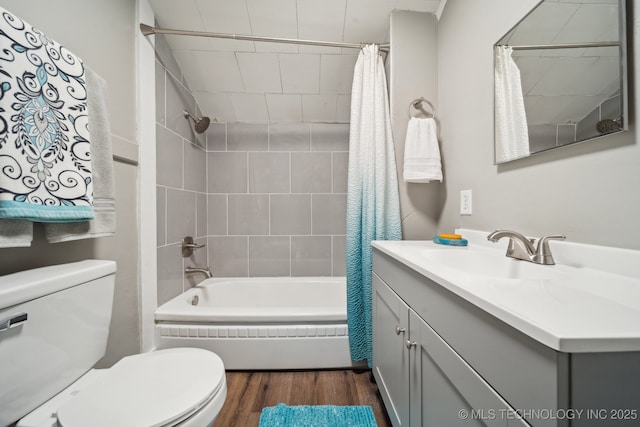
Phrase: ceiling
[244,81]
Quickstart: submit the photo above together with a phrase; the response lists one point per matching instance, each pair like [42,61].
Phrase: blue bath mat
[317,416]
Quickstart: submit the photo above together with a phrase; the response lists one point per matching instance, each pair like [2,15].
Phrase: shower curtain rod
[564,46]
[148,30]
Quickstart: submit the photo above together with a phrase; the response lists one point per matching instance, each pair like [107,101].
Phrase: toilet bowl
[54,326]
[182,387]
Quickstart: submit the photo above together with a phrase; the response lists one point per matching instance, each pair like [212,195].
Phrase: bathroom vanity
[466,336]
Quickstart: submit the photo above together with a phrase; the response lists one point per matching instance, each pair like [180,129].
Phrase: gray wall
[101,33]
[587,191]
[413,74]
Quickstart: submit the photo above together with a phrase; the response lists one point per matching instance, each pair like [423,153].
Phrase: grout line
[331,256]
[226,137]
[166,215]
[183,164]
[227,221]
[266,235]
[310,214]
[168,187]
[332,173]
[260,194]
[290,174]
[247,187]
[273,151]
[195,214]
[247,240]
[248,255]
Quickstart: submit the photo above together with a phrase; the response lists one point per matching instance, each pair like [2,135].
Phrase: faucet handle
[543,252]
[188,246]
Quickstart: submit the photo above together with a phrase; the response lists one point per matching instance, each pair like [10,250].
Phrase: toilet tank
[54,324]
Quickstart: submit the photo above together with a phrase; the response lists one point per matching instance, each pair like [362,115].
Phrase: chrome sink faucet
[522,248]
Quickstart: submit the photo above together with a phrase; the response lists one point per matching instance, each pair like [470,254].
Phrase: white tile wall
[250,107]
[181,178]
[275,18]
[321,21]
[260,72]
[265,190]
[320,108]
[182,14]
[267,199]
[333,68]
[284,212]
[294,79]
[284,107]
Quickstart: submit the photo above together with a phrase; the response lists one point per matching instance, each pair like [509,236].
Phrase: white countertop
[588,302]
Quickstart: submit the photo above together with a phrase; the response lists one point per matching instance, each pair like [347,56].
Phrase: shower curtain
[512,133]
[373,207]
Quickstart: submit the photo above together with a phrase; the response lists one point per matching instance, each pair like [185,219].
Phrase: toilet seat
[161,388]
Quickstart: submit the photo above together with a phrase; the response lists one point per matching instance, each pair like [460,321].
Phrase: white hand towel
[421,152]
[104,222]
[15,233]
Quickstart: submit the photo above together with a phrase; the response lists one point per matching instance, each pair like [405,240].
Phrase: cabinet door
[390,356]
[444,389]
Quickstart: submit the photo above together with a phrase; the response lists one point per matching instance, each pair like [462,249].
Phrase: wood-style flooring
[248,392]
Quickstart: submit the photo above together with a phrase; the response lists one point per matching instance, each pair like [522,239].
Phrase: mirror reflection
[559,77]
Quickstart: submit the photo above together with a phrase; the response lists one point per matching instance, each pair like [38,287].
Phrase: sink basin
[490,264]
[588,302]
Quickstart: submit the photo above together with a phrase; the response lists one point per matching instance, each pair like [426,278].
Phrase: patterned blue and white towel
[45,160]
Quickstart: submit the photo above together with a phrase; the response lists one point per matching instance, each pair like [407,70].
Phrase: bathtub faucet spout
[192,270]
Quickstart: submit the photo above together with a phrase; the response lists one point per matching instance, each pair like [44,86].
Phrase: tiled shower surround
[277,199]
[266,199]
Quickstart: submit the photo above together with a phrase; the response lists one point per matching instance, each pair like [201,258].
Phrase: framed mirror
[560,77]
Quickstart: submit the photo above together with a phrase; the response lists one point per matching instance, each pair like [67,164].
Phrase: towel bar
[417,104]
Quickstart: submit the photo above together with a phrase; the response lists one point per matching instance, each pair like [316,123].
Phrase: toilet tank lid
[27,285]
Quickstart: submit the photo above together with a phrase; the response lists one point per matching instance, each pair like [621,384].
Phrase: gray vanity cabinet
[460,359]
[391,358]
[440,360]
[423,382]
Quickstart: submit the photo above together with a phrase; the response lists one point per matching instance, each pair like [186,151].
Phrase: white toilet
[54,324]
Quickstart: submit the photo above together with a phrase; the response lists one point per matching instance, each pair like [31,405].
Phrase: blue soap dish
[450,242]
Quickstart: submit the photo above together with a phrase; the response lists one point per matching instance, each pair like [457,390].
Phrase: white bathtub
[262,323]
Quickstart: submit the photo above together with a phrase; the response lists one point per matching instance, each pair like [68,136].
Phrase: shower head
[201,123]
[609,125]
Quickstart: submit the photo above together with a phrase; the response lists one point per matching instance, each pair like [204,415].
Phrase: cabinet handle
[410,344]
[400,330]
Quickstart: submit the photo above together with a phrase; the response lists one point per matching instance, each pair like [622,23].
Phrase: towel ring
[417,104]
